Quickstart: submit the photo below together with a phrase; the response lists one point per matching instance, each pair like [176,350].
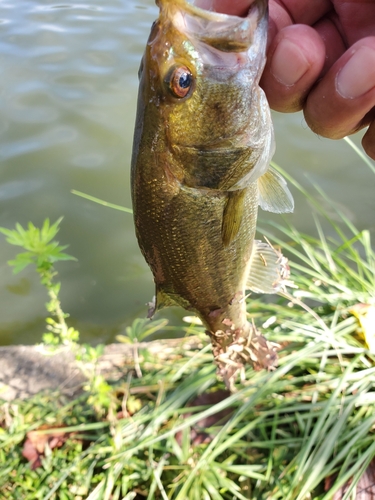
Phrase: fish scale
[200,167]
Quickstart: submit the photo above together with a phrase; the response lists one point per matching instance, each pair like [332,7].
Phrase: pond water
[68,95]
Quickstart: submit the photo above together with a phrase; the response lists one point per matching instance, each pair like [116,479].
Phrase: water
[68,95]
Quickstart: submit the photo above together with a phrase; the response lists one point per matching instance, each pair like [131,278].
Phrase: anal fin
[232,216]
[269,269]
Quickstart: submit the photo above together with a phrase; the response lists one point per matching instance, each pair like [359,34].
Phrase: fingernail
[358,75]
[289,64]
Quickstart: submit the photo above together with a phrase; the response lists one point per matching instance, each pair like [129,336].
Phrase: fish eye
[180,81]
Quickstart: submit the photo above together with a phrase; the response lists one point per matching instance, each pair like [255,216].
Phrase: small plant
[44,252]
[140,329]
[101,393]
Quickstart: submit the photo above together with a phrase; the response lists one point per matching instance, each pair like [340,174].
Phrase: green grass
[285,432]
[311,418]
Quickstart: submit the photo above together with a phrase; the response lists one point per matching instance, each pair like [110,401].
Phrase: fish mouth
[226,32]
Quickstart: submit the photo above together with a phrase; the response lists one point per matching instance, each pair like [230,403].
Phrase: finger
[295,60]
[231,7]
[282,12]
[286,12]
[357,18]
[368,141]
[341,102]
[333,41]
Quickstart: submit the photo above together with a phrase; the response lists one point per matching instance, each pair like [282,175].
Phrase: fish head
[198,70]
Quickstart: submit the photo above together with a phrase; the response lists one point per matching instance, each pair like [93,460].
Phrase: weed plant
[304,431]
[44,252]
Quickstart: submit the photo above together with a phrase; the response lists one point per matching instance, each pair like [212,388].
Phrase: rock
[29,370]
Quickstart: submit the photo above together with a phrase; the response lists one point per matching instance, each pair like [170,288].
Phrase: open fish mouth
[228,33]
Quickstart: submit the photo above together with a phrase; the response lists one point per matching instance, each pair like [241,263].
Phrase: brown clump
[234,349]
[37,441]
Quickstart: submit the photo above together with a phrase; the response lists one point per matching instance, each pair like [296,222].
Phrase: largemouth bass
[202,146]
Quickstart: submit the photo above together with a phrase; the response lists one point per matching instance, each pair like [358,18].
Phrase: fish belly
[180,234]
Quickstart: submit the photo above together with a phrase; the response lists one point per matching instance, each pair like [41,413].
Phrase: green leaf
[50,339]
[21,261]
[13,238]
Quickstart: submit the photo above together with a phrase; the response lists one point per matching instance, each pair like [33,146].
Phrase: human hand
[320,58]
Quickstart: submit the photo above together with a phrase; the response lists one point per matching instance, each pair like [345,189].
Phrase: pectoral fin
[232,216]
[274,194]
[269,270]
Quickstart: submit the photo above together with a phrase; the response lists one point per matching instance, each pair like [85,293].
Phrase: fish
[202,147]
